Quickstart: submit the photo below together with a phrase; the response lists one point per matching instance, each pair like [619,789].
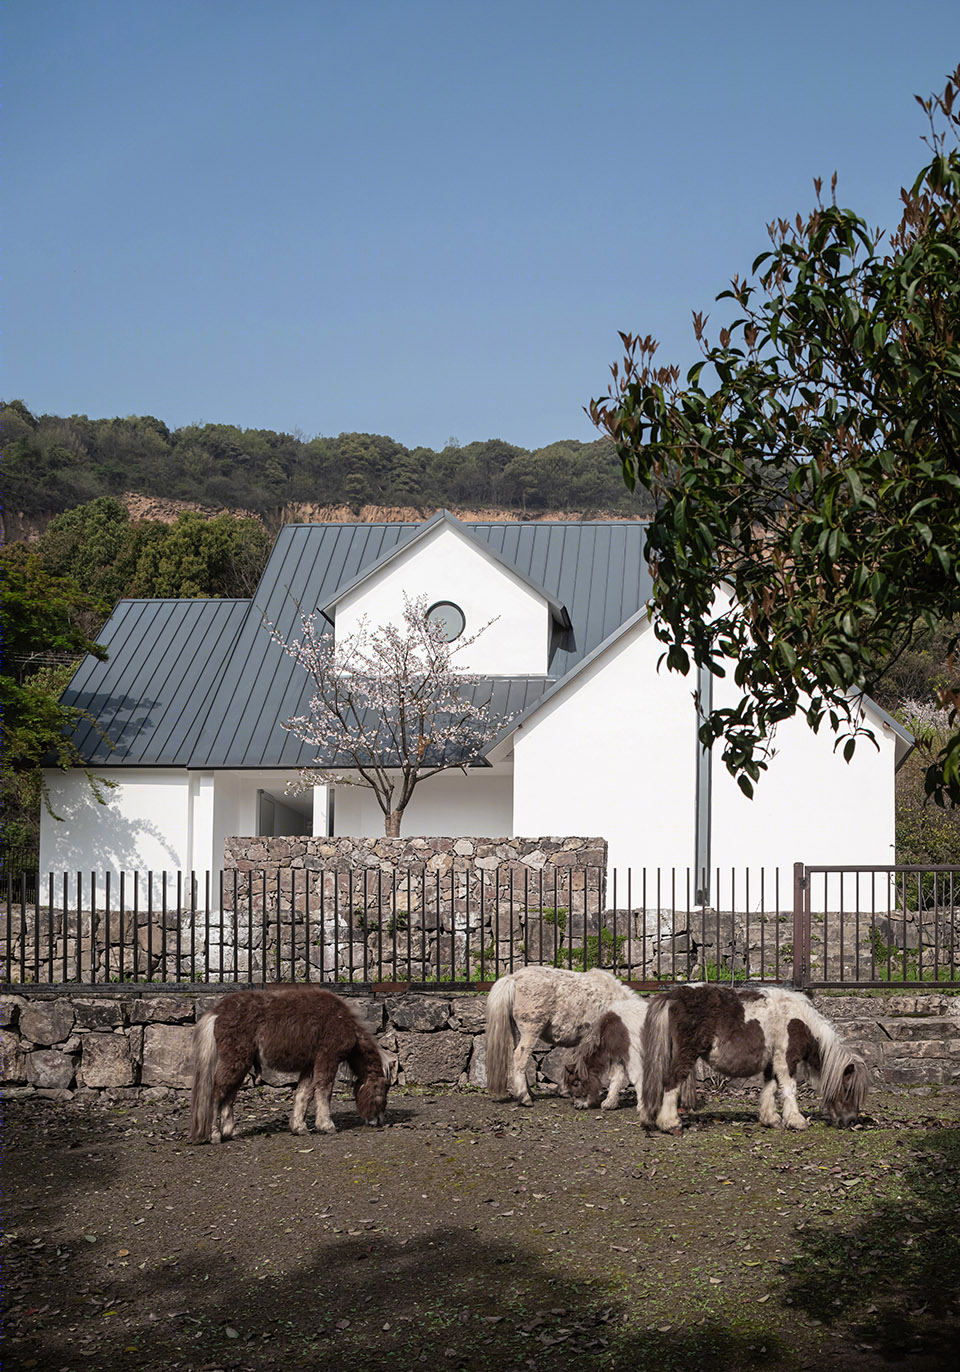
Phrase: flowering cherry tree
[389,707]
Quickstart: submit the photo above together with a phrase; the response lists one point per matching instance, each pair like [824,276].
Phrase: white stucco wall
[809,806]
[146,822]
[153,820]
[479,803]
[613,754]
[445,566]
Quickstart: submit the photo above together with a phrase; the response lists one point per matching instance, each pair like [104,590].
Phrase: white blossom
[389,708]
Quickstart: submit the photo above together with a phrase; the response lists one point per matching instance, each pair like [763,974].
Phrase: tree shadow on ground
[900,1267]
[448,1299]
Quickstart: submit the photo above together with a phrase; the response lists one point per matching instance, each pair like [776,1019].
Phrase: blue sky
[427,220]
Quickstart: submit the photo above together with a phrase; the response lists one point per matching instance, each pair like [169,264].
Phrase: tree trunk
[391,823]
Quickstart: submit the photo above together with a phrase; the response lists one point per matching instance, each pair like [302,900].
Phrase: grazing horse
[610,1056]
[301,1029]
[740,1033]
[549,1003]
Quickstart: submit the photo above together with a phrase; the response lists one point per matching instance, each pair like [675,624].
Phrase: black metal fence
[827,926]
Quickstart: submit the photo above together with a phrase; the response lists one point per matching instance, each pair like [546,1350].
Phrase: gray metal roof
[201,684]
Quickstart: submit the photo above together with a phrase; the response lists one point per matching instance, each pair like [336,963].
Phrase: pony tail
[657,1055]
[204,1071]
[499,1040]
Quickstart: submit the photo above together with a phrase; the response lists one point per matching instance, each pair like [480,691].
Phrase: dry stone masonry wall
[130,1041]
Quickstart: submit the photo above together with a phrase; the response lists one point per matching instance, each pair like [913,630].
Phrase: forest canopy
[52,463]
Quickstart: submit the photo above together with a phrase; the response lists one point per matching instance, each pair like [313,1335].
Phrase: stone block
[101,1014]
[160,1009]
[45,1022]
[368,1010]
[12,1058]
[10,1007]
[428,1059]
[106,1061]
[477,1074]
[469,1012]
[167,1055]
[48,1068]
[420,1013]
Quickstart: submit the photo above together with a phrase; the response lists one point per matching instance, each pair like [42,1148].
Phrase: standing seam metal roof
[201,684]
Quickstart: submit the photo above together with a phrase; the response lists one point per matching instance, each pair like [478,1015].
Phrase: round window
[447,618]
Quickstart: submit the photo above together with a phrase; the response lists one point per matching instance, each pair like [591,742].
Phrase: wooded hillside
[52,463]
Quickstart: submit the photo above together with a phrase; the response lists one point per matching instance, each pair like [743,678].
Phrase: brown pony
[301,1029]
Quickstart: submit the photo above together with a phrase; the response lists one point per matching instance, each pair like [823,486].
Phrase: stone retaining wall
[131,1040]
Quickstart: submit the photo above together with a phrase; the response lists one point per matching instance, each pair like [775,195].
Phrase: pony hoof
[796,1124]
[325,1129]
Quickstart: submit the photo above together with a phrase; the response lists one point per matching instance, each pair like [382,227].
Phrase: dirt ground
[479,1235]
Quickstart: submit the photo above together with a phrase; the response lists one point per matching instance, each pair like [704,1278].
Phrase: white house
[185,717]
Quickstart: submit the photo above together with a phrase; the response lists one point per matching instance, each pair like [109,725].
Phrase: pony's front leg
[769,1114]
[323,1079]
[521,1056]
[301,1098]
[225,1088]
[792,1118]
[668,1120]
[618,1079]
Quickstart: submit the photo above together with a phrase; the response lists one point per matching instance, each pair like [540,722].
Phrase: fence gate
[876,926]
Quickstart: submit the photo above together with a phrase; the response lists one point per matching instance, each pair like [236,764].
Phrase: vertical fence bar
[629,923]
[439,925]
[799,882]
[336,919]
[323,922]
[394,925]
[122,931]
[93,928]
[206,930]
[511,917]
[614,931]
[106,926]
[163,926]
[78,951]
[264,927]
[410,925]
[453,925]
[366,928]
[279,923]
[466,923]
[746,925]
[8,977]
[36,923]
[483,925]
[65,925]
[135,916]
[379,924]
[178,941]
[250,967]
[307,945]
[50,945]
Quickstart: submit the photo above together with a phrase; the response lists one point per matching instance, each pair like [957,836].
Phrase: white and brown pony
[610,1057]
[549,1003]
[301,1029]
[740,1033]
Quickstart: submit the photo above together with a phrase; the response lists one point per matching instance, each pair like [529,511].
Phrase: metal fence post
[799,930]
